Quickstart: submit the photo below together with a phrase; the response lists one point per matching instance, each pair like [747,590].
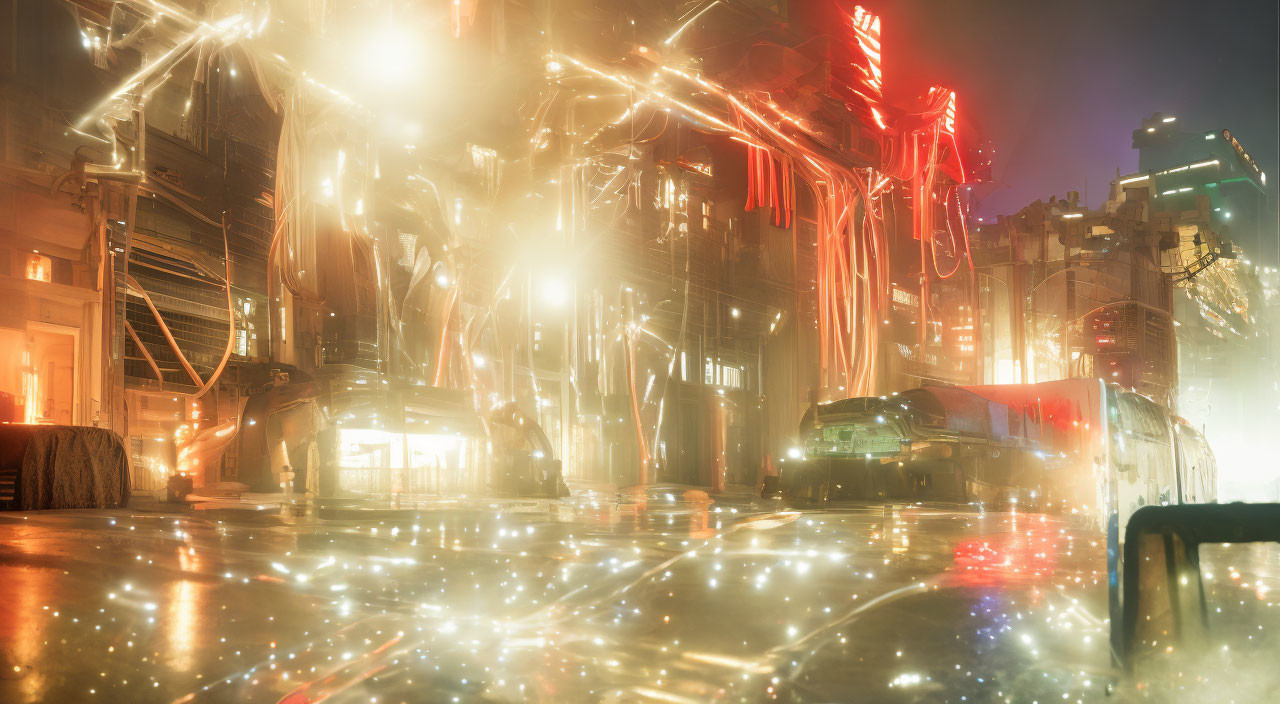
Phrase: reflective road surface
[667,597]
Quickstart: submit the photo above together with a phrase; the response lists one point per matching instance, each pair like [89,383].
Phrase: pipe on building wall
[231,315]
[204,386]
[182,359]
[147,355]
[121,424]
[643,478]
[442,354]
[676,350]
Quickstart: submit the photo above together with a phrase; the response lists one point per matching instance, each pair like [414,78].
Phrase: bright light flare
[554,292]
[393,58]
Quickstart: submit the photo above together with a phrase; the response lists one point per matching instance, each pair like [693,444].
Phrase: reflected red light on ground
[1025,556]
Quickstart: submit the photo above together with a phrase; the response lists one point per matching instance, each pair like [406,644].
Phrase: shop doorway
[38,375]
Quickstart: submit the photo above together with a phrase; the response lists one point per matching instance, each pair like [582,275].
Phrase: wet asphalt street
[669,597]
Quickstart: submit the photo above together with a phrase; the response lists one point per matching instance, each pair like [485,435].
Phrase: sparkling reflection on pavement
[670,598]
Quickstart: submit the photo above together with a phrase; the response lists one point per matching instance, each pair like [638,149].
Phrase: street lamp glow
[392,58]
[555,292]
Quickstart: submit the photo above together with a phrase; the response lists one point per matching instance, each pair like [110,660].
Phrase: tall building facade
[1225,303]
[1179,166]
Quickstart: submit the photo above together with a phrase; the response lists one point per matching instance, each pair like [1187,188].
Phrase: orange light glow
[39,268]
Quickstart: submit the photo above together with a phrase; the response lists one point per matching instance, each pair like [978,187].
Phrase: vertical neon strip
[773,188]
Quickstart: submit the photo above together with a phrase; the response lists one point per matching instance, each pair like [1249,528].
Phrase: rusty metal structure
[1086,292]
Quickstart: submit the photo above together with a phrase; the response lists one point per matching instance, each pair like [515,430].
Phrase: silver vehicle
[1068,445]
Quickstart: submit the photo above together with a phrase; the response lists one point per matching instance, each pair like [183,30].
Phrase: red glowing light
[1005,558]
[770,182]
[949,122]
[866,33]
[875,114]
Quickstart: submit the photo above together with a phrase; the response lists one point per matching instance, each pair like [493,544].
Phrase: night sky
[1058,87]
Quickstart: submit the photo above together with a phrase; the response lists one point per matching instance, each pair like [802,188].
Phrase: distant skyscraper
[1183,165]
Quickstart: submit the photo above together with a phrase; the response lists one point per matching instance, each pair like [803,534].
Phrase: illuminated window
[246,341]
[727,375]
[30,389]
[731,376]
[39,268]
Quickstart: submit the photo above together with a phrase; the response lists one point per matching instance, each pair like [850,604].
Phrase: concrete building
[52,339]
[1070,292]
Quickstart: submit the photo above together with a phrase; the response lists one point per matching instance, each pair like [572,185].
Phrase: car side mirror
[1164,594]
[1163,604]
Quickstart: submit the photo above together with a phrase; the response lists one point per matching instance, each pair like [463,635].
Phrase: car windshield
[638,351]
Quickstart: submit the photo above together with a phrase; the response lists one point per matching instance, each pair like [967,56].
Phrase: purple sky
[1059,86]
